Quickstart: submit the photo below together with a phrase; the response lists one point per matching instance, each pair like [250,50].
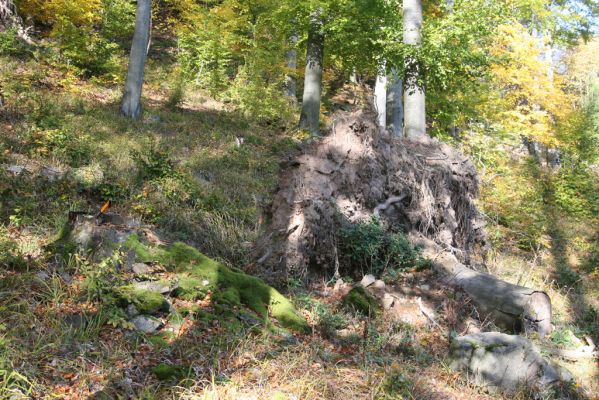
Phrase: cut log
[511,307]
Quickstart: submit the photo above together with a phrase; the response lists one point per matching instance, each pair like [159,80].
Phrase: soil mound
[357,172]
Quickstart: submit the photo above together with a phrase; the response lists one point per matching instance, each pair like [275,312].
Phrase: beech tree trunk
[290,87]
[131,105]
[380,99]
[414,101]
[395,104]
[310,114]
[511,307]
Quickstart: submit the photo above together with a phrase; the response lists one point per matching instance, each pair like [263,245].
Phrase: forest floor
[64,147]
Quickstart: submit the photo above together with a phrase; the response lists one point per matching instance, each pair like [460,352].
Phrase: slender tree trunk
[395,104]
[380,98]
[290,87]
[414,101]
[131,105]
[310,114]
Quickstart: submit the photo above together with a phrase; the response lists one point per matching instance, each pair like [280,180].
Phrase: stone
[379,285]
[42,276]
[52,174]
[131,311]
[341,288]
[15,169]
[141,269]
[388,301]
[367,280]
[498,361]
[155,286]
[147,324]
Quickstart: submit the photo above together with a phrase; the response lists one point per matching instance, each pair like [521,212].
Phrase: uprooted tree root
[355,172]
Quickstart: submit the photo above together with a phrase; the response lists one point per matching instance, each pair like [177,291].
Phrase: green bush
[369,248]
[11,45]
[84,48]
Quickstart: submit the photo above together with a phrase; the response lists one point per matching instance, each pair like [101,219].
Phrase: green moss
[231,286]
[191,288]
[145,301]
[229,296]
[166,372]
[360,300]
[157,341]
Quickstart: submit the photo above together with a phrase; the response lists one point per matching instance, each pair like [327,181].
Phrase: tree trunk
[310,114]
[395,104]
[290,87]
[131,105]
[414,101]
[380,99]
[512,307]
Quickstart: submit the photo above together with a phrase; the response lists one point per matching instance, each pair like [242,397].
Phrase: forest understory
[239,257]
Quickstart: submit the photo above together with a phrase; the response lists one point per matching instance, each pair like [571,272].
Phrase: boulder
[367,280]
[161,287]
[147,324]
[498,361]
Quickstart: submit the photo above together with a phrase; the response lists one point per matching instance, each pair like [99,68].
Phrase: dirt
[357,171]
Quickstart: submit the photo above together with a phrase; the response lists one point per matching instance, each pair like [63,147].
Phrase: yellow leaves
[50,12]
[529,97]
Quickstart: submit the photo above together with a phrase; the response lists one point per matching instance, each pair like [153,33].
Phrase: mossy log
[511,307]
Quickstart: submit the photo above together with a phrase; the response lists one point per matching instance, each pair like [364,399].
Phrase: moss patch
[166,372]
[191,288]
[197,274]
[145,301]
[360,300]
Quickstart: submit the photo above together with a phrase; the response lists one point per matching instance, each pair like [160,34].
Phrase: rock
[131,311]
[367,280]
[378,285]
[15,169]
[42,276]
[141,269]
[52,174]
[388,301]
[155,286]
[426,288]
[360,300]
[146,324]
[341,288]
[498,361]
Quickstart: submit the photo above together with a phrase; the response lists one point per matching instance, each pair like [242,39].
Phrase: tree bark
[131,105]
[310,114]
[380,99]
[511,307]
[395,104]
[414,100]
[290,87]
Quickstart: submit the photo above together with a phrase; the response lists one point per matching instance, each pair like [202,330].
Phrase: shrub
[11,45]
[370,248]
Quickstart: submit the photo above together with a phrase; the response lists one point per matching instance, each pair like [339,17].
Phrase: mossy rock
[190,288]
[146,301]
[199,273]
[165,372]
[361,301]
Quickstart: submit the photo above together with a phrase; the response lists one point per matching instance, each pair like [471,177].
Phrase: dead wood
[512,307]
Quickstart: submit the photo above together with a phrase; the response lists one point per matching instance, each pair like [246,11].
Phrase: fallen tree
[511,307]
